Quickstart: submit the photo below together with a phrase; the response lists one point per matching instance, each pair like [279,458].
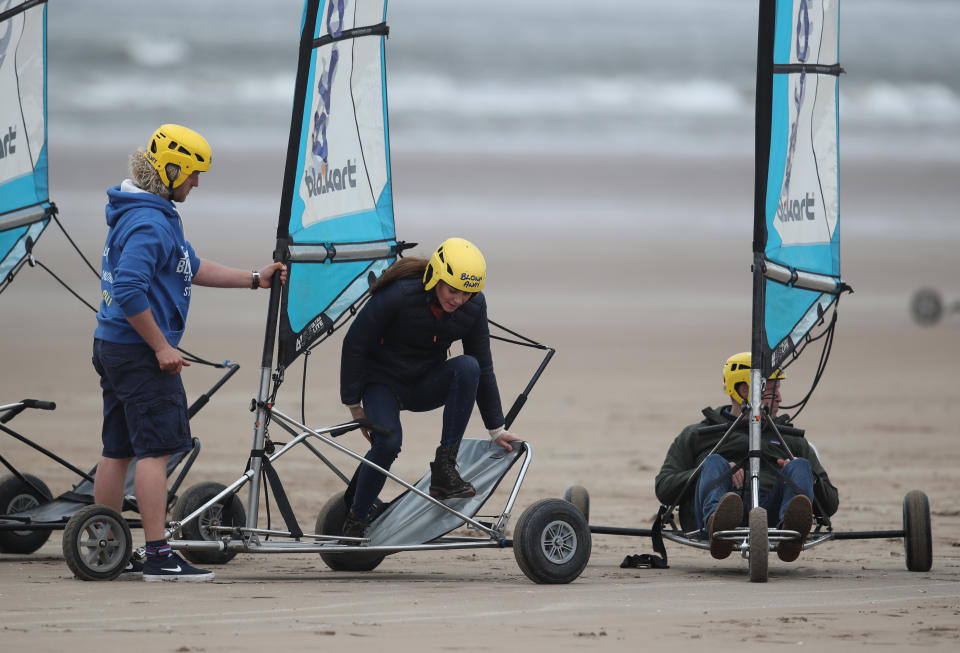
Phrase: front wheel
[926,307]
[917,536]
[228,511]
[17,496]
[759,545]
[97,543]
[551,542]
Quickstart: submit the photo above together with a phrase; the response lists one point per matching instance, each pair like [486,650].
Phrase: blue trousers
[774,502]
[452,385]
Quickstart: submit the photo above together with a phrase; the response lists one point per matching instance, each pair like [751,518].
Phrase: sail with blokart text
[796,218]
[336,229]
[25,209]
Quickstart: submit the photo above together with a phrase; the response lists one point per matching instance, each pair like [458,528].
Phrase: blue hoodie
[147,263]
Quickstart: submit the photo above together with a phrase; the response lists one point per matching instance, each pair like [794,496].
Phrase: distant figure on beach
[147,272]
[394,358]
[790,486]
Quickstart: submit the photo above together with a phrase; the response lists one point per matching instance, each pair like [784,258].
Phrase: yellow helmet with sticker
[459,264]
[736,370]
[180,146]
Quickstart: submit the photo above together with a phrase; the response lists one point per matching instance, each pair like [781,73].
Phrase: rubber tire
[917,535]
[926,307]
[759,546]
[17,496]
[89,556]
[228,512]
[330,522]
[551,519]
[579,497]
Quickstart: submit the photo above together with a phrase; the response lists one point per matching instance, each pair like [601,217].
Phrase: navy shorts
[144,408]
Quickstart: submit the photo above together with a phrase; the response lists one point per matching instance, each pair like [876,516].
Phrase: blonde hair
[146,177]
[404,268]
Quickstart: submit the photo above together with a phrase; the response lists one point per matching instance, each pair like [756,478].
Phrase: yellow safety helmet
[736,370]
[181,146]
[459,264]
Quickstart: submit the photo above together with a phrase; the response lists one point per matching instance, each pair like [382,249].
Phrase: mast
[273,312]
[758,373]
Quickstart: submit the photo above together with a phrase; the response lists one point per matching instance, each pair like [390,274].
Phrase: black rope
[64,284]
[70,240]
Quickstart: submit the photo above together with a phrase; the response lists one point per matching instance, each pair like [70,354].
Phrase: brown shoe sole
[727,516]
[797,517]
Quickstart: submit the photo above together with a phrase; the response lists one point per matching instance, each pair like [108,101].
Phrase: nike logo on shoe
[173,569]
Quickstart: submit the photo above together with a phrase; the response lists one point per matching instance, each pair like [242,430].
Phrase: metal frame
[247,539]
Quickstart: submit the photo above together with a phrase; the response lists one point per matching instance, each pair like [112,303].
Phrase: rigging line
[518,342]
[63,283]
[513,333]
[59,224]
[192,357]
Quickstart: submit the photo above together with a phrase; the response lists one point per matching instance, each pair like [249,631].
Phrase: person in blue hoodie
[148,271]
[395,357]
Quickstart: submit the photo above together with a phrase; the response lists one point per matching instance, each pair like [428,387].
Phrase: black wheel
[579,497]
[551,542]
[759,546]
[926,306]
[97,543]
[917,536]
[330,522]
[17,496]
[226,512]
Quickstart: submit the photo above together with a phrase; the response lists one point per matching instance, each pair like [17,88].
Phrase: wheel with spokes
[228,511]
[97,543]
[18,496]
[551,542]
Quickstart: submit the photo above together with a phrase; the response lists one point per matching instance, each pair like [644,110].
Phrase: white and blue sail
[25,208]
[796,217]
[336,228]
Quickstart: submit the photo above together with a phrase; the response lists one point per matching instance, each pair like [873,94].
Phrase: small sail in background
[336,227]
[25,208]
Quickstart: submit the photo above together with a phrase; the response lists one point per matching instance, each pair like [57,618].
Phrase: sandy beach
[637,271]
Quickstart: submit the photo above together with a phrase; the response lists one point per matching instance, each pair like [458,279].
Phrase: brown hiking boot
[445,481]
[354,526]
[727,516]
[797,517]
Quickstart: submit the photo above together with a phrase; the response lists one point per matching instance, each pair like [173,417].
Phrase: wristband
[495,433]
[254,280]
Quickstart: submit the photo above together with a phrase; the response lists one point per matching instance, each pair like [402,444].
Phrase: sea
[540,76]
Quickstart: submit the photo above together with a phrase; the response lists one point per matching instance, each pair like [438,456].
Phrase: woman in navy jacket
[394,358]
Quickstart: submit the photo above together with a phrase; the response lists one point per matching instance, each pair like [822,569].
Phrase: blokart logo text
[8,146]
[794,210]
[329,179]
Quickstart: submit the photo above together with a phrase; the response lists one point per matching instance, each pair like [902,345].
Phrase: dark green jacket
[690,448]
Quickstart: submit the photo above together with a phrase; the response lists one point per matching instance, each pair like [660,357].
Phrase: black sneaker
[173,567]
[134,568]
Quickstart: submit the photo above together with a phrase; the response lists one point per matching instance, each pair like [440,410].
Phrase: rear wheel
[759,545]
[330,522]
[551,542]
[97,543]
[228,511]
[579,497]
[17,496]
[917,536]
[926,306]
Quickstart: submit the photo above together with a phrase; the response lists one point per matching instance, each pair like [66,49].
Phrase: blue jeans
[452,385]
[774,502]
